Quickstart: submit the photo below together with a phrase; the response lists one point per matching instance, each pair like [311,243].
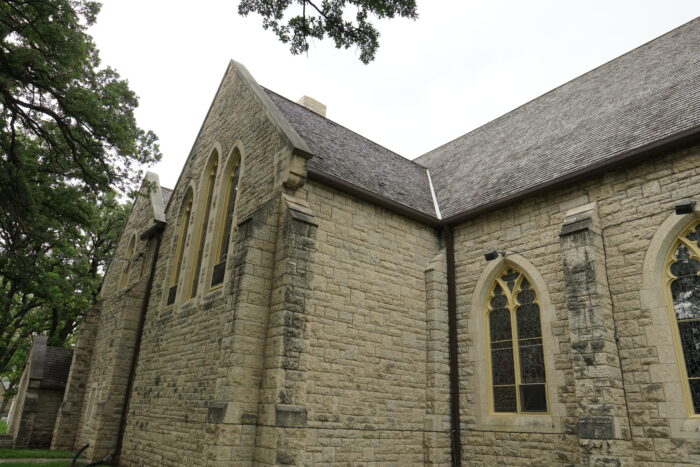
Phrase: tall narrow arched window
[683,291]
[210,178]
[517,370]
[128,262]
[224,237]
[185,213]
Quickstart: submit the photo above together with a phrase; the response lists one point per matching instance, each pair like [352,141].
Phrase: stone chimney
[313,105]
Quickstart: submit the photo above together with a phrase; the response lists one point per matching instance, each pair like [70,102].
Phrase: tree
[55,282]
[68,139]
[315,20]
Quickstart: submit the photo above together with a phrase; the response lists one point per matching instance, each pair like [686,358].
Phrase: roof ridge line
[561,86]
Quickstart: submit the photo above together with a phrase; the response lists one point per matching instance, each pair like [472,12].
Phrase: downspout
[157,232]
[455,434]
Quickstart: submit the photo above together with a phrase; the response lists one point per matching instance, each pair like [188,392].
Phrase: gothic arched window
[206,208]
[517,370]
[224,237]
[126,268]
[683,286]
[185,213]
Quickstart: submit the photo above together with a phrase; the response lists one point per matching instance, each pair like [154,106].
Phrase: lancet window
[185,213]
[517,369]
[224,238]
[209,193]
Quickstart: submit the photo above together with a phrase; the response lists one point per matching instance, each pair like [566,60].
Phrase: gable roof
[343,154]
[57,361]
[648,95]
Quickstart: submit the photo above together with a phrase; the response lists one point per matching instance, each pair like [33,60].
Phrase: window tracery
[516,353]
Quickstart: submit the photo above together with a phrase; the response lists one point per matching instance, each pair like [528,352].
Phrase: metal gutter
[432,193]
[455,422]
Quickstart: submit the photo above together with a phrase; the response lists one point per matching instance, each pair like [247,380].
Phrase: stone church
[527,294]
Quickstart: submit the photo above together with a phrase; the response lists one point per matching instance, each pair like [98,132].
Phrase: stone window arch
[128,262]
[179,251]
[668,272]
[477,353]
[208,182]
[517,373]
[229,194]
[682,278]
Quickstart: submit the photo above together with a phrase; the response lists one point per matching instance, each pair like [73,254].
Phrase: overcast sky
[460,65]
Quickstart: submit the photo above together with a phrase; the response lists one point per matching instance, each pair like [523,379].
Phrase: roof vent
[313,105]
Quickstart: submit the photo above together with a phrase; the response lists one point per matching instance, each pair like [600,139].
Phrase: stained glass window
[211,178]
[684,287]
[180,247]
[515,336]
[225,235]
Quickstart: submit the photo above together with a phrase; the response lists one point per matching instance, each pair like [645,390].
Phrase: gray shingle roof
[57,363]
[642,97]
[167,194]
[344,154]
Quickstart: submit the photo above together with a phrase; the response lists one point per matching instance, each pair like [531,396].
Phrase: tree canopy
[68,140]
[328,17]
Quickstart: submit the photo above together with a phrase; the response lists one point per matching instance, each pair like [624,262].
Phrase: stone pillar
[68,417]
[122,315]
[281,434]
[437,393]
[233,412]
[601,416]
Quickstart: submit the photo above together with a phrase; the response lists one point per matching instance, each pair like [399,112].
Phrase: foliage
[68,139]
[49,285]
[3,426]
[34,454]
[328,18]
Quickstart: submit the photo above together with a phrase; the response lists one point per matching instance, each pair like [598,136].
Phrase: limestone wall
[371,355]
[183,373]
[601,328]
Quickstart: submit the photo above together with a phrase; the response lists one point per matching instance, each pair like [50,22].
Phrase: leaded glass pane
[528,320]
[499,323]
[690,343]
[695,394]
[502,366]
[531,361]
[504,399]
[533,398]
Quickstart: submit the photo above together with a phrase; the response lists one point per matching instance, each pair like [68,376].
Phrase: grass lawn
[34,453]
[38,464]
[3,427]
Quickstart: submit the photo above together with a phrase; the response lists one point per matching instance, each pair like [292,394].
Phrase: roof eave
[675,141]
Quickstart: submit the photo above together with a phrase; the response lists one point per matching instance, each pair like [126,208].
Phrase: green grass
[33,454]
[3,427]
[38,464]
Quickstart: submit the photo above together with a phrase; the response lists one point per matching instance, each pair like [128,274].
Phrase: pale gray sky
[460,65]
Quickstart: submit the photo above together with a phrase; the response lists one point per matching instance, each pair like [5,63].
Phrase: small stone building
[33,413]
[526,294]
